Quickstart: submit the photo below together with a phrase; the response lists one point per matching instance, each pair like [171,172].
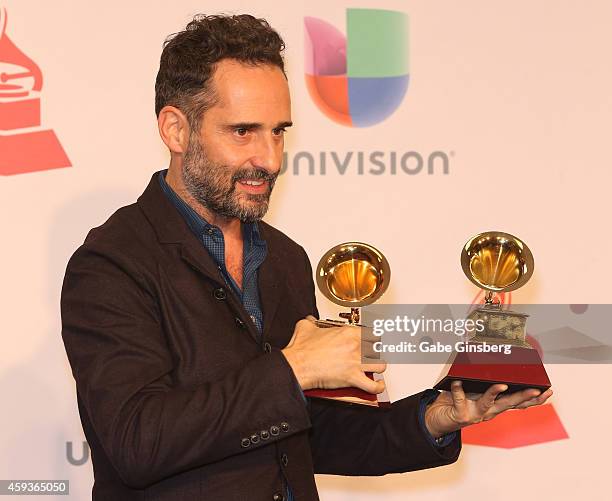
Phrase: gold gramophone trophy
[496,262]
[351,274]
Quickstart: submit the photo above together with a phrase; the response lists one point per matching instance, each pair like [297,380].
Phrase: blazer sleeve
[352,439]
[149,428]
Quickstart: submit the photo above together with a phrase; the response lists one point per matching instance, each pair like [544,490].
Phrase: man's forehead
[250,87]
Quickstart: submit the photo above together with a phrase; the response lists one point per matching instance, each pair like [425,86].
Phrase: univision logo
[359,79]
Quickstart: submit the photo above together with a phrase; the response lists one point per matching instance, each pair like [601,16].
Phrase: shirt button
[274,430]
[278,497]
[267,347]
[254,438]
[219,294]
[245,442]
[284,460]
[210,231]
[285,427]
[264,434]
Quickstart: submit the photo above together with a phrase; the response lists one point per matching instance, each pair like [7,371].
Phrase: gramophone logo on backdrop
[358,80]
[24,145]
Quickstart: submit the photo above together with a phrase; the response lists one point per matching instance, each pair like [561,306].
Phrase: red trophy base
[352,395]
[30,152]
[521,369]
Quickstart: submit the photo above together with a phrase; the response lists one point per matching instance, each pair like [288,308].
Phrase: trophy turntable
[351,274]
[497,262]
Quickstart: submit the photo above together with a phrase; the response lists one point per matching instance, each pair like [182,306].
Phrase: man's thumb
[367,384]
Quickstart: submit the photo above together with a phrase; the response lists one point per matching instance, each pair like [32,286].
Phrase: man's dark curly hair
[189,57]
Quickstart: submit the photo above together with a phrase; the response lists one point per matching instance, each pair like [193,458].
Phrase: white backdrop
[517,94]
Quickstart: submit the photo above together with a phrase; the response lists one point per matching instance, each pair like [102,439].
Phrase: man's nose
[268,154]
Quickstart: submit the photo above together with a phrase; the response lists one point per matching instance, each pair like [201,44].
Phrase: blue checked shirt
[254,253]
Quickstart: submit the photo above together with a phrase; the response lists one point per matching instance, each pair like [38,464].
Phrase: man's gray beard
[213,186]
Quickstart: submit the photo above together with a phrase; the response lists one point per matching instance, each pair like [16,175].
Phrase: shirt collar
[199,226]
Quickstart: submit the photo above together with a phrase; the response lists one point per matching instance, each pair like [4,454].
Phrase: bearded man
[188,321]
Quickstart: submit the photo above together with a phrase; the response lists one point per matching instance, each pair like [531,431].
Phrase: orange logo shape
[24,145]
[516,428]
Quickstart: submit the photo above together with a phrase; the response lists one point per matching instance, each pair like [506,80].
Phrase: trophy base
[520,369]
[352,395]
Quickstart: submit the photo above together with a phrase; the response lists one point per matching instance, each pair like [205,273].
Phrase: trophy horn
[497,262]
[353,274]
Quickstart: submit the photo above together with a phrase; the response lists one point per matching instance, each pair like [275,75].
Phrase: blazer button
[264,434]
[267,347]
[285,427]
[219,294]
[245,442]
[239,323]
[284,460]
[278,497]
[254,438]
[274,430]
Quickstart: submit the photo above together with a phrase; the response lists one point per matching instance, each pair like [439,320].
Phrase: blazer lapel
[202,262]
[171,228]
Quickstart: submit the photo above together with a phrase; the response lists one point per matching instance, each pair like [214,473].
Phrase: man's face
[230,167]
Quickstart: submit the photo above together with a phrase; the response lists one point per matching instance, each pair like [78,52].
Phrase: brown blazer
[178,397]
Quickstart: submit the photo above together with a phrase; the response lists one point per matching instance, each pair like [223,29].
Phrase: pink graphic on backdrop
[516,428]
[24,145]
[328,55]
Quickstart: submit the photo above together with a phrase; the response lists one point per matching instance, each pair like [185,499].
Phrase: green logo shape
[377,43]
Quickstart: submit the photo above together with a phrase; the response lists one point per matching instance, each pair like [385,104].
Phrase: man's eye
[241,131]
[279,131]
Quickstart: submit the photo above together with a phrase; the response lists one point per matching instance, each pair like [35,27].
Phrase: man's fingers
[375,366]
[487,400]
[364,383]
[310,318]
[473,396]
[536,400]
[367,351]
[514,400]
[367,334]
[457,394]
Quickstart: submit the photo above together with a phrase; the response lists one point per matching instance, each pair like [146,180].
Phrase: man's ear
[173,129]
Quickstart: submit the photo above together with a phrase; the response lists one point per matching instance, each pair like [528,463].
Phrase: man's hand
[331,357]
[454,410]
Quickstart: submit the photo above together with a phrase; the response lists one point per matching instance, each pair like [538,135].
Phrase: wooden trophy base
[521,369]
[352,395]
